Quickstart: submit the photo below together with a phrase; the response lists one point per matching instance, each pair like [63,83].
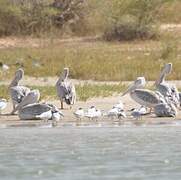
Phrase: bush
[132,19]
[39,16]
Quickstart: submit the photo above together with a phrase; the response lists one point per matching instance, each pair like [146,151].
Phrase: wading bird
[17,93]
[39,111]
[142,96]
[166,89]
[31,98]
[65,89]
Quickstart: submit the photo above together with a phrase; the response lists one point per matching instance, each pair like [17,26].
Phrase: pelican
[166,89]
[3,104]
[142,96]
[39,111]
[165,110]
[17,93]
[65,89]
[31,98]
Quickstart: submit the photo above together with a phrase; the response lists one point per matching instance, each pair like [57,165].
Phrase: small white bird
[79,113]
[138,113]
[121,114]
[93,113]
[56,116]
[45,116]
[116,113]
[3,104]
[119,105]
[5,67]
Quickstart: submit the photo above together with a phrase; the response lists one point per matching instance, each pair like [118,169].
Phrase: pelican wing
[33,110]
[32,97]
[17,93]
[145,97]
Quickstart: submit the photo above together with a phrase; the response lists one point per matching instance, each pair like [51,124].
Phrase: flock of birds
[163,102]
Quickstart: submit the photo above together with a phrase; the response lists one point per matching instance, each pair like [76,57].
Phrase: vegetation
[84,92]
[116,19]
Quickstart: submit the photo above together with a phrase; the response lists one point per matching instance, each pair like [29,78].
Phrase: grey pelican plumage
[17,93]
[166,89]
[39,111]
[65,89]
[31,98]
[142,96]
[165,110]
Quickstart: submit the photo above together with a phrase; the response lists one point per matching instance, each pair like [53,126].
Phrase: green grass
[84,92]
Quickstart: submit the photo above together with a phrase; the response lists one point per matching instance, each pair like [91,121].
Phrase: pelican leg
[61,104]
[150,110]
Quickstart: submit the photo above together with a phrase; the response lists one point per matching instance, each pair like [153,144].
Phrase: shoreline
[104,104]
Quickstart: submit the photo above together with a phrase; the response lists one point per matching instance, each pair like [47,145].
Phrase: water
[75,153]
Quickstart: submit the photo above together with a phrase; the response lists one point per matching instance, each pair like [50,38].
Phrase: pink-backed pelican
[142,96]
[166,89]
[17,93]
[65,89]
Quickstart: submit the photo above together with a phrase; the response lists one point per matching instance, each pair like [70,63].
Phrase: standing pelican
[142,96]
[166,89]
[17,93]
[65,89]
[31,98]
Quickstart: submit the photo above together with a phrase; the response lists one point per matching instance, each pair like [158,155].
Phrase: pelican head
[165,71]
[139,83]
[65,73]
[19,74]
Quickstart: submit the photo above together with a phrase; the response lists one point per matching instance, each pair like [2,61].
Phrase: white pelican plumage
[65,89]
[31,98]
[142,96]
[17,93]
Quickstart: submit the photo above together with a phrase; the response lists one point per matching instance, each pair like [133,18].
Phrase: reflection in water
[91,153]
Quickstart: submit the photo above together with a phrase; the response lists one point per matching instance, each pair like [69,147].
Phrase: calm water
[72,153]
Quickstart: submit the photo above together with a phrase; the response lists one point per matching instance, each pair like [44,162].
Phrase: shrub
[132,19]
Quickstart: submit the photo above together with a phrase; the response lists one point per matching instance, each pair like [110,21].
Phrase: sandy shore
[101,103]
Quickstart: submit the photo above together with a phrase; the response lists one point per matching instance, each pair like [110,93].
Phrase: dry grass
[95,60]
